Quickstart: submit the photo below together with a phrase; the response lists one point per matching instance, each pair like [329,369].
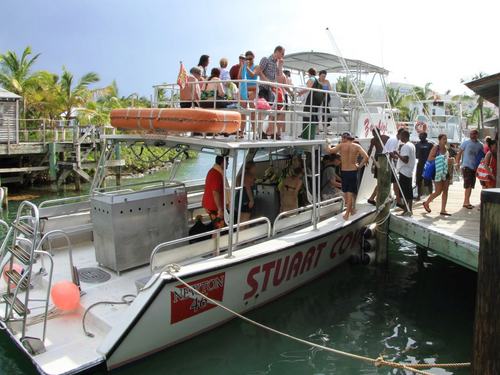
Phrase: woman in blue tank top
[248,73]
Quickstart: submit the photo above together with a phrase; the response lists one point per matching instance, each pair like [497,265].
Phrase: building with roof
[9,116]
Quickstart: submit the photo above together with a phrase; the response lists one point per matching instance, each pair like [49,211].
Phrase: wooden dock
[454,237]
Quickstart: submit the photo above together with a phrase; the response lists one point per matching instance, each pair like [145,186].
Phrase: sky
[140,43]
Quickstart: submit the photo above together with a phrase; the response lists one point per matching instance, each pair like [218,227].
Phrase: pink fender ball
[65,295]
[15,267]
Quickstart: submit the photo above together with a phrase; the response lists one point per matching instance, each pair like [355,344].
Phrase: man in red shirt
[213,196]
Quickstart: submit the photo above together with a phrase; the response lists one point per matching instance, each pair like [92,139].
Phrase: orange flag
[182,78]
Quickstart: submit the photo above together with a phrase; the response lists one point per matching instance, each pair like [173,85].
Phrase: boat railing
[180,253]
[293,110]
[292,218]
[58,201]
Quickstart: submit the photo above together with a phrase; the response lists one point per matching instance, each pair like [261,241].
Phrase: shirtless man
[349,154]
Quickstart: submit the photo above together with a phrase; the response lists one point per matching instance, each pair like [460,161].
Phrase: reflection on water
[405,313]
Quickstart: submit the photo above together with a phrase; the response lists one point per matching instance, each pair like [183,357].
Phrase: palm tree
[345,86]
[72,96]
[17,77]
[478,112]
[399,101]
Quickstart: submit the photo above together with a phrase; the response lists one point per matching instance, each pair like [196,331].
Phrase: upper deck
[293,113]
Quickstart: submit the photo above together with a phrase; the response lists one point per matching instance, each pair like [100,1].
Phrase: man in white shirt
[390,147]
[406,164]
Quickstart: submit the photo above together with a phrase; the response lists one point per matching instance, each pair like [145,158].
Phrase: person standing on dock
[442,178]
[349,154]
[379,147]
[422,149]
[391,146]
[467,158]
[406,164]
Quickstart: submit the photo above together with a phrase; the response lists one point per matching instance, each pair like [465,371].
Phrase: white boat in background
[437,117]
[118,244]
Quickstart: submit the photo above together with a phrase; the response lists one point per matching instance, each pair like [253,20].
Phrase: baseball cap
[347,135]
[242,56]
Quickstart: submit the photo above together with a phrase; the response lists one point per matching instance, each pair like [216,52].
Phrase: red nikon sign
[184,303]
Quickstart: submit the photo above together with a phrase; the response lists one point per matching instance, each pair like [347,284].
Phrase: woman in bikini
[441,156]
[289,190]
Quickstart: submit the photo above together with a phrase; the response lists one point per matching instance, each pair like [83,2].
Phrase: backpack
[315,98]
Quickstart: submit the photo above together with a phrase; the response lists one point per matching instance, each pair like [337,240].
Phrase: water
[404,312]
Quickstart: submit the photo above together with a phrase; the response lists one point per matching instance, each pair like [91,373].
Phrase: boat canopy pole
[230,219]
[365,108]
[241,189]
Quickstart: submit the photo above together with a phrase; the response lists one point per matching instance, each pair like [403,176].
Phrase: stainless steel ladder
[21,244]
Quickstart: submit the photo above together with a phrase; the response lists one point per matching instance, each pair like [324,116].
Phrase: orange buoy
[176,120]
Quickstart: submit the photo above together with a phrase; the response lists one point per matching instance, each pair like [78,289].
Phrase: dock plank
[454,237]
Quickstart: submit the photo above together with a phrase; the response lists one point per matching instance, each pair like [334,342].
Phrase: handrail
[304,209]
[63,234]
[51,272]
[204,234]
[63,200]
[154,183]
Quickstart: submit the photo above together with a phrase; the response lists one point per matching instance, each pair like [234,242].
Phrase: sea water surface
[405,312]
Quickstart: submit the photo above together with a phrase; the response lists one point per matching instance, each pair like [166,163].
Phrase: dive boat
[121,245]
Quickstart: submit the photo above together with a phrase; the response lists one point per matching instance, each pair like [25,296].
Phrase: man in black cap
[349,154]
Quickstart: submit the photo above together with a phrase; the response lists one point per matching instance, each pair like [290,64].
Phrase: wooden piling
[52,162]
[383,191]
[486,350]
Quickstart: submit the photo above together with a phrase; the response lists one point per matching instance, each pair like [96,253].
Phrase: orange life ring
[421,127]
[176,120]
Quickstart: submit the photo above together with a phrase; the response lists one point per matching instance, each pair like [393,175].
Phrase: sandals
[372,202]
[445,214]
[426,207]
[468,206]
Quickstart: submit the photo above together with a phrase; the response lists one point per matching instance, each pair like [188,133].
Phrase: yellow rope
[378,362]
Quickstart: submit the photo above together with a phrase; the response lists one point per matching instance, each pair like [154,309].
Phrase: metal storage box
[267,201]
[127,225]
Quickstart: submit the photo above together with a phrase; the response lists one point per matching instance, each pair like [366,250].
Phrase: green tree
[477,115]
[73,95]
[344,85]
[16,76]
[399,101]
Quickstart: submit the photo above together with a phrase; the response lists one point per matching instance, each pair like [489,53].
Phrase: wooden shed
[9,116]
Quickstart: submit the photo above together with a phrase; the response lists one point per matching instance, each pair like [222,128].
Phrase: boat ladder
[20,250]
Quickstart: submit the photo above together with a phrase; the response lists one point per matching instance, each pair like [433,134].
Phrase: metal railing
[303,209]
[216,232]
[54,202]
[297,116]
[48,131]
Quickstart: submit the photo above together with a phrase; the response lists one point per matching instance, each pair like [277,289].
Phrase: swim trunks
[350,181]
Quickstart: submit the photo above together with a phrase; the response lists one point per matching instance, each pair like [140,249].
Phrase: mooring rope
[378,362]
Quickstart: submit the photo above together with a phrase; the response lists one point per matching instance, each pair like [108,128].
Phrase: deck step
[16,304]
[16,277]
[21,254]
[23,228]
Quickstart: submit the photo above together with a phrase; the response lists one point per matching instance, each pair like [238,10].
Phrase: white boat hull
[170,313]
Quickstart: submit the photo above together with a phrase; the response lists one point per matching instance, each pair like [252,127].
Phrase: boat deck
[68,348]
[454,237]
